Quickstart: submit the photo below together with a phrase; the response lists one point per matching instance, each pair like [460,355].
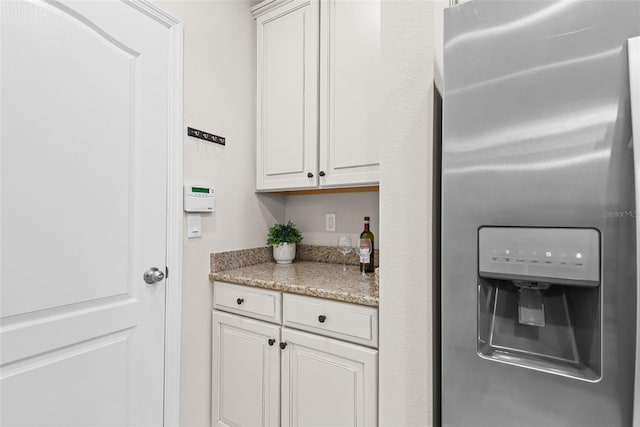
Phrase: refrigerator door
[537,133]
[634,90]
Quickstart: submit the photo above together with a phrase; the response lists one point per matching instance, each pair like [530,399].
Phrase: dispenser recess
[539,299]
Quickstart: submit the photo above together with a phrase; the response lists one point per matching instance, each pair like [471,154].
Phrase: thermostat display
[199,199]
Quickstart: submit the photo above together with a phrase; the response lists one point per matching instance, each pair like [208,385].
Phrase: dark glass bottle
[369,267]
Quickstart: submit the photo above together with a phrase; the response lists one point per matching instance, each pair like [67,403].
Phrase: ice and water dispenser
[540,299]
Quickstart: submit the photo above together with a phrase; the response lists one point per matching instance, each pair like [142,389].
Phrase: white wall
[219,97]
[408,55]
[438,39]
[308,213]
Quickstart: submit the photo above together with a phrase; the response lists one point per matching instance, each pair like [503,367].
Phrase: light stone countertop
[318,279]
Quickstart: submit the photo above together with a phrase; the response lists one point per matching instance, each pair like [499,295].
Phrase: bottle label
[365,251]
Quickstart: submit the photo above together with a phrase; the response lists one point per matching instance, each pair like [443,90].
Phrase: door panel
[281,98]
[349,92]
[287,96]
[60,124]
[84,115]
[39,380]
[326,382]
[246,372]
[511,162]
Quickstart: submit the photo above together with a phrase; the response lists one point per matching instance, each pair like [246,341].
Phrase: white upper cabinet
[349,92]
[287,96]
[317,53]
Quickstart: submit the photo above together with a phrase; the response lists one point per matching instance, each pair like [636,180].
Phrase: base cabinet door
[245,372]
[326,382]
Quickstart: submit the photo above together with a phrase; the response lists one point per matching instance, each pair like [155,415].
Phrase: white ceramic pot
[284,253]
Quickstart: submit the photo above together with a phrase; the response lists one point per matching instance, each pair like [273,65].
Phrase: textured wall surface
[308,212]
[408,52]
[219,97]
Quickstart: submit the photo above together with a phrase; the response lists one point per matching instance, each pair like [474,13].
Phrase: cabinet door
[349,92]
[326,382]
[245,372]
[287,96]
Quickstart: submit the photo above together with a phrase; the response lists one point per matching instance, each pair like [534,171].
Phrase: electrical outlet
[330,222]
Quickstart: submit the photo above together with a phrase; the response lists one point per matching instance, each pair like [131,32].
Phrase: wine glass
[365,252]
[344,247]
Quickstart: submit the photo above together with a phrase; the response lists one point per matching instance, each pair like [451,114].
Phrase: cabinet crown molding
[267,6]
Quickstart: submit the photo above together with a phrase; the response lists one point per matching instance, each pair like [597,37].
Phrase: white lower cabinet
[326,382]
[265,374]
[246,372]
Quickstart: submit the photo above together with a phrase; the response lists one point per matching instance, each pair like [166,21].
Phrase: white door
[245,372]
[83,213]
[326,382]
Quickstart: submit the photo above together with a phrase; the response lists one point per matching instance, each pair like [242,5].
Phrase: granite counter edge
[344,296]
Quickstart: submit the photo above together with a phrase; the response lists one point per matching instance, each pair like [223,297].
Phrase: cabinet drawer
[349,322]
[258,303]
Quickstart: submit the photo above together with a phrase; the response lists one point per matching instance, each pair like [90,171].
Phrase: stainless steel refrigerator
[539,290]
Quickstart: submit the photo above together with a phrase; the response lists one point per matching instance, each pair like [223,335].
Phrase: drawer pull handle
[283,345]
[240,301]
[272,341]
[322,318]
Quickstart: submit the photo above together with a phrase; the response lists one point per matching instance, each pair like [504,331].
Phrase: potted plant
[283,238]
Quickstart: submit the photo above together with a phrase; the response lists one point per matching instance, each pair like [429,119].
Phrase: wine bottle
[369,266]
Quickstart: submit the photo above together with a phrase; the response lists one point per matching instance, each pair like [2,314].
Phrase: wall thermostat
[199,199]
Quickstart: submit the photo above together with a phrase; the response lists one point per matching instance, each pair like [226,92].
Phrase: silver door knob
[153,275]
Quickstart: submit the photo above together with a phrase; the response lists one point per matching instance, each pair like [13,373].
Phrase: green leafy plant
[284,233]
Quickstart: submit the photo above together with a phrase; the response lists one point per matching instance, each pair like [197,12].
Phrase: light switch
[194,226]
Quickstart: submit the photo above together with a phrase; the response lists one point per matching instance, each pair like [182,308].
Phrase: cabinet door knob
[322,318]
[321,173]
[309,175]
[283,345]
[272,341]
[240,301]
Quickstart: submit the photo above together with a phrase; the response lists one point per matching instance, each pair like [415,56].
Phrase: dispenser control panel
[569,256]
